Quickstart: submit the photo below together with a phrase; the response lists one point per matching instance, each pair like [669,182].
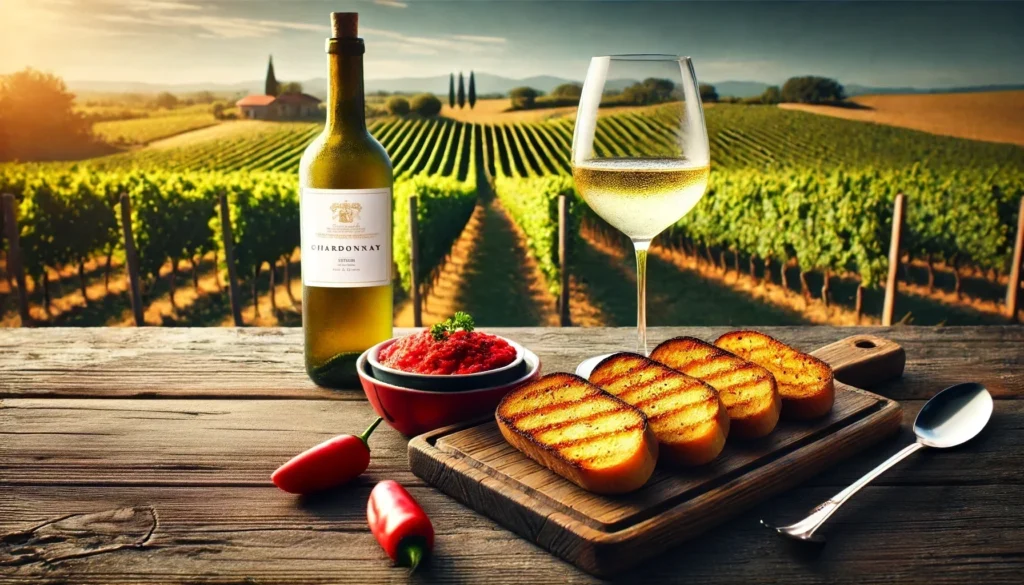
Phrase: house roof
[256,100]
[295,98]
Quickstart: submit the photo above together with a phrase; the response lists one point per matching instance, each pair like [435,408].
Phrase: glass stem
[640,247]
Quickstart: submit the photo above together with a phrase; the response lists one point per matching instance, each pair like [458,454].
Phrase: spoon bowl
[954,416]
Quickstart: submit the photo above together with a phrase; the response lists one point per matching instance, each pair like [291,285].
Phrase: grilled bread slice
[807,384]
[747,389]
[580,432]
[687,416]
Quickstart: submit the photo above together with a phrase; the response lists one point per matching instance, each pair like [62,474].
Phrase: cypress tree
[451,90]
[462,91]
[472,91]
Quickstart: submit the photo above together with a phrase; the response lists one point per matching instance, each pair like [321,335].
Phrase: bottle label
[346,237]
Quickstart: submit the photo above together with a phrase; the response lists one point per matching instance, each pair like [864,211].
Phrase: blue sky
[924,44]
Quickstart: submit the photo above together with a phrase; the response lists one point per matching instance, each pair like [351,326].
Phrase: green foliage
[397,105]
[650,91]
[472,91]
[290,87]
[460,321]
[571,90]
[708,93]
[461,95]
[451,90]
[165,99]
[840,221]
[426,105]
[38,120]
[63,219]
[264,217]
[533,205]
[812,90]
[443,208]
[771,95]
[170,218]
[523,98]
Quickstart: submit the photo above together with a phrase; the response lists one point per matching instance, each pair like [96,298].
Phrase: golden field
[996,116]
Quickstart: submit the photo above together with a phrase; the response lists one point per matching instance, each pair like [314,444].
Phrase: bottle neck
[346,111]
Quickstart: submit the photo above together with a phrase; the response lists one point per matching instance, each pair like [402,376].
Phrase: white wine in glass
[643,187]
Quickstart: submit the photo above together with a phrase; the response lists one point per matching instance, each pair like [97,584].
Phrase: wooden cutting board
[605,534]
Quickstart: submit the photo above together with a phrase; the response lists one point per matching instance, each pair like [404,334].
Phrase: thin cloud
[480,39]
[391,3]
[156,5]
[420,45]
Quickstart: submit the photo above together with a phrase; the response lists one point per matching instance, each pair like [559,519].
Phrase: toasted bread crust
[748,390]
[807,384]
[686,414]
[580,432]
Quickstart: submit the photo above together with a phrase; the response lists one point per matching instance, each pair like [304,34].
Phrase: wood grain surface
[106,434]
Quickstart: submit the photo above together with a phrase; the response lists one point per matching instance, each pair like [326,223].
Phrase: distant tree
[811,89]
[271,87]
[218,110]
[291,87]
[771,95]
[426,104]
[38,120]
[523,98]
[165,99]
[472,91]
[650,91]
[451,90]
[204,97]
[708,93]
[568,91]
[397,105]
[461,97]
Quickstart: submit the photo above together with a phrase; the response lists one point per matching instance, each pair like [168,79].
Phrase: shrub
[523,98]
[568,90]
[397,105]
[771,95]
[812,90]
[708,93]
[426,104]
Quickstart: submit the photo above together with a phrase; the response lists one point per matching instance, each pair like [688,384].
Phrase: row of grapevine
[828,221]
[68,217]
[443,207]
[533,205]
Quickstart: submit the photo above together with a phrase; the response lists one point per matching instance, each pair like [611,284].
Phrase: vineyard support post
[229,259]
[414,249]
[14,260]
[132,259]
[563,253]
[1013,296]
[891,282]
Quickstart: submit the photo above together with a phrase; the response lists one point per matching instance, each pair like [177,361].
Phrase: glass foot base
[587,366]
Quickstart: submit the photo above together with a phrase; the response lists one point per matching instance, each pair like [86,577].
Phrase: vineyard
[790,192]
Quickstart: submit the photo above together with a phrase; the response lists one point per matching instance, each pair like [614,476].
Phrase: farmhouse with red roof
[273,105]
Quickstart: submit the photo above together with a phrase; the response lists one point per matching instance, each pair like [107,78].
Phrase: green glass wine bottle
[345,181]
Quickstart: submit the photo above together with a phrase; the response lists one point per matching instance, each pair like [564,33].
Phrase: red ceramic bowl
[412,412]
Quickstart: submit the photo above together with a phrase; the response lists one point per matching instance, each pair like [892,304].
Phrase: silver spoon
[952,417]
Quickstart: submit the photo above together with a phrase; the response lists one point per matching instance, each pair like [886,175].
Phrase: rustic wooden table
[143,455]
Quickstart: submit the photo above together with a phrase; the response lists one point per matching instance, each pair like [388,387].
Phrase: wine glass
[640,155]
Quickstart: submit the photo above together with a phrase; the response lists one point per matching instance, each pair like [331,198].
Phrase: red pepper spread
[460,352]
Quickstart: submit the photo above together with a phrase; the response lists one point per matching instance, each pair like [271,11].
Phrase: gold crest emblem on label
[346,212]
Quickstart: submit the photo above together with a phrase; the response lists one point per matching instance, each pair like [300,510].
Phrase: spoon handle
[806,527]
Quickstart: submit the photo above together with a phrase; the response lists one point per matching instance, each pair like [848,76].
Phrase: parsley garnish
[459,321]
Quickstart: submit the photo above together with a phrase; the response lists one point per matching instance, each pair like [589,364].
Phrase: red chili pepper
[329,464]
[401,527]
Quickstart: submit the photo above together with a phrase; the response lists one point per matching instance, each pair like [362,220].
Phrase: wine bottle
[345,181]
